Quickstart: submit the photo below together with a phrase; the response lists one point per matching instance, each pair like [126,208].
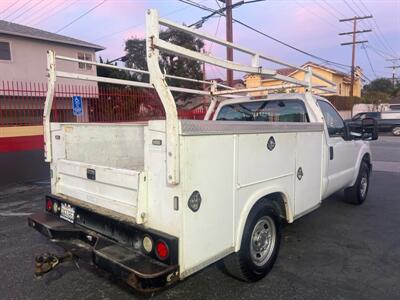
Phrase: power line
[18,9]
[377,33]
[81,16]
[334,8]
[24,12]
[42,11]
[379,30]
[328,10]
[317,15]
[45,16]
[369,60]
[8,7]
[137,25]
[379,52]
[329,62]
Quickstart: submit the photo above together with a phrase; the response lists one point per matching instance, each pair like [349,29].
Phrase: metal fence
[22,103]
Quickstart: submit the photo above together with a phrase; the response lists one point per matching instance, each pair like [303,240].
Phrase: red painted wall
[21,143]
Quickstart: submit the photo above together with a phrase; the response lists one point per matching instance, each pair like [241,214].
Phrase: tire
[357,193]
[251,263]
[396,131]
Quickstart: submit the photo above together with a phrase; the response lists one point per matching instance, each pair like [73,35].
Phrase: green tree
[383,85]
[112,73]
[375,98]
[171,63]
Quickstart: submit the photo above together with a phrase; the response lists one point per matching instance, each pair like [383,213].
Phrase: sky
[312,26]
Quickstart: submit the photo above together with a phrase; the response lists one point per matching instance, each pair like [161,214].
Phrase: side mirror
[369,129]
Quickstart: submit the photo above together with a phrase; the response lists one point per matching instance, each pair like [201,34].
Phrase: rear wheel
[357,193]
[259,247]
[396,131]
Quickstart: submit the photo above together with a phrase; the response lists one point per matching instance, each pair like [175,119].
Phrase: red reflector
[162,250]
[49,204]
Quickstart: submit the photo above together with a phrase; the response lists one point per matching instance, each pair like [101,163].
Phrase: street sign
[77,105]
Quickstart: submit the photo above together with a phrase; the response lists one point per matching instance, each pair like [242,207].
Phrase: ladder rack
[158,80]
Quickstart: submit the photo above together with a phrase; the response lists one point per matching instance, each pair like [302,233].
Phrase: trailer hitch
[46,262]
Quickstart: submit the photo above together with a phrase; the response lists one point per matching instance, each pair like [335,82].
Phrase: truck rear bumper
[138,270]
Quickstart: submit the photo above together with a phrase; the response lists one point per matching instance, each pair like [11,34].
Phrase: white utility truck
[158,201]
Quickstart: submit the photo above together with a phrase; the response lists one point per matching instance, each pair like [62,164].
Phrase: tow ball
[46,262]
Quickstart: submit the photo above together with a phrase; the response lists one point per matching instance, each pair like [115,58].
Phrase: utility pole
[229,38]
[353,43]
[394,67]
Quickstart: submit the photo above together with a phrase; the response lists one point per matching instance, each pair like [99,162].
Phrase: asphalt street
[339,251]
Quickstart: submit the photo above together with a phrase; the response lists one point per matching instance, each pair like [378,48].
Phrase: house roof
[34,33]
[334,71]
[285,71]
[291,71]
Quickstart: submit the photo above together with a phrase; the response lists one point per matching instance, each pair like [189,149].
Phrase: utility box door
[308,171]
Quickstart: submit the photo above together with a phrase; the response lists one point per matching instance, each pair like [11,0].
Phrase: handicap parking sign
[77,105]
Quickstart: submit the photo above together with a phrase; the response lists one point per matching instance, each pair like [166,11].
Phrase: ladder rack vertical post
[157,79]
[51,68]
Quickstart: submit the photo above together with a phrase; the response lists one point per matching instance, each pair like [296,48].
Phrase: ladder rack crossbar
[223,63]
[65,58]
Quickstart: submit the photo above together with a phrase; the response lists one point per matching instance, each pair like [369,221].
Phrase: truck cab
[341,150]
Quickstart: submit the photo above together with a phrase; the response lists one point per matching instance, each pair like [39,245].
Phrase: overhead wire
[44,16]
[378,28]
[27,10]
[137,25]
[10,6]
[18,9]
[329,62]
[377,33]
[317,15]
[369,60]
[81,16]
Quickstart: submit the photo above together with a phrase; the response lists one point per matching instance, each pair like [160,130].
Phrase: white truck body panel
[239,172]
[114,151]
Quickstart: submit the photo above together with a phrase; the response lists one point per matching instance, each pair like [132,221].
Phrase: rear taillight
[162,250]
[49,204]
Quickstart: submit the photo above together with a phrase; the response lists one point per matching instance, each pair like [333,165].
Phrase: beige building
[342,80]
[23,54]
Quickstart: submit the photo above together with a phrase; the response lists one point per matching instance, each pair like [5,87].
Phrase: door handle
[331,153]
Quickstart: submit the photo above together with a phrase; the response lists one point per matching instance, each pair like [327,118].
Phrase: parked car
[387,121]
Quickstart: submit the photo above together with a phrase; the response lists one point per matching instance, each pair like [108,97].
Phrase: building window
[5,51]
[85,56]
[340,89]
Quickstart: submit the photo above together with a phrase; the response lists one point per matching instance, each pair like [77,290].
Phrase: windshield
[267,111]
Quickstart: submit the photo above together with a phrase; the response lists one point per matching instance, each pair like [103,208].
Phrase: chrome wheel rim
[396,131]
[263,240]
[363,185]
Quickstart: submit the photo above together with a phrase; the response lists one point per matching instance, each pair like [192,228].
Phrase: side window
[5,51]
[85,56]
[334,121]
[265,111]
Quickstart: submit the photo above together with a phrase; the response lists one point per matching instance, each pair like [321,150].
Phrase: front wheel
[357,193]
[396,131]
[259,247]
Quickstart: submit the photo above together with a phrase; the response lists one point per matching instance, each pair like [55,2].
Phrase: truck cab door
[340,154]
